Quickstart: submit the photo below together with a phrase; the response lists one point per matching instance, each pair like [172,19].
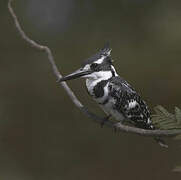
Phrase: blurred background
[43,135]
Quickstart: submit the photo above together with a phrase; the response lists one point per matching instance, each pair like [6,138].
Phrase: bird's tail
[161,142]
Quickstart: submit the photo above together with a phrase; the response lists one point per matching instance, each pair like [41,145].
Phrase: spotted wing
[129,103]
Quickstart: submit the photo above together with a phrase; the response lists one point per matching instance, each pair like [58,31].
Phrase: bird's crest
[105,51]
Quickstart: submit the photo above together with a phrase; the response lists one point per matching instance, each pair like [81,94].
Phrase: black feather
[103,52]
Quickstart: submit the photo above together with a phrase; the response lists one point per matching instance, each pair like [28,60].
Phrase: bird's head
[98,66]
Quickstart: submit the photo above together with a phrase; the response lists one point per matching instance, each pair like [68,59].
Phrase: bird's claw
[115,127]
[104,120]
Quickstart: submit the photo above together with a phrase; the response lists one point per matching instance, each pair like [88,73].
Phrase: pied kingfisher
[115,96]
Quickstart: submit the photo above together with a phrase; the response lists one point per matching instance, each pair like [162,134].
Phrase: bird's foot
[104,120]
[116,126]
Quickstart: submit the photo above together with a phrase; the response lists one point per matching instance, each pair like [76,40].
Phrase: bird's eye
[94,66]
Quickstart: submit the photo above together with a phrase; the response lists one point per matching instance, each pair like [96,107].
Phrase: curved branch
[72,96]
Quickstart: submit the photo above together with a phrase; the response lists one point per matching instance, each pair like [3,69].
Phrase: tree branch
[78,104]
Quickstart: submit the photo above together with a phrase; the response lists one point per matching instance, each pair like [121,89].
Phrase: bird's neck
[97,78]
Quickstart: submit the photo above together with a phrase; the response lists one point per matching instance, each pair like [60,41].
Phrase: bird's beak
[77,74]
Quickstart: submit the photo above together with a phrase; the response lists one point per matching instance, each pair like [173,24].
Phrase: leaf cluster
[164,120]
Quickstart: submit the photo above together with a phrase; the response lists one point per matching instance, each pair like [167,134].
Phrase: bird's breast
[98,89]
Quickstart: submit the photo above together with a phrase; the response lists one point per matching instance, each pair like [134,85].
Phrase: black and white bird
[115,95]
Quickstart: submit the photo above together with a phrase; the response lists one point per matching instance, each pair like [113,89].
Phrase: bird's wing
[129,103]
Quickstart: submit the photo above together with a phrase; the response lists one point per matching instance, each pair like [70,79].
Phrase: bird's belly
[106,103]
[109,109]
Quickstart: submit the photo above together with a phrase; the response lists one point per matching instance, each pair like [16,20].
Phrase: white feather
[96,77]
[99,61]
[132,104]
[114,70]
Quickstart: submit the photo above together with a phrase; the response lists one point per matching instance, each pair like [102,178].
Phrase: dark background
[43,135]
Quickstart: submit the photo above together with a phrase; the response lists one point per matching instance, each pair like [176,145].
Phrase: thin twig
[72,96]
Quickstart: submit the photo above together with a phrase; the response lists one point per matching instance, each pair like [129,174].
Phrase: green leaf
[160,110]
[178,115]
[162,119]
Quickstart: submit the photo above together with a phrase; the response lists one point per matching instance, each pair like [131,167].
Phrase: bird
[114,95]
